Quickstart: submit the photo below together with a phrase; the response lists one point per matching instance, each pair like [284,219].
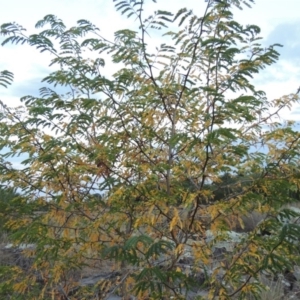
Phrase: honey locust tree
[121,169]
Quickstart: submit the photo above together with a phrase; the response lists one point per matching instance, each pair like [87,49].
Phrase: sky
[279,21]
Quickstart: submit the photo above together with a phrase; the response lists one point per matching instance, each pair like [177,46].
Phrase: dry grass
[4,237]
[277,290]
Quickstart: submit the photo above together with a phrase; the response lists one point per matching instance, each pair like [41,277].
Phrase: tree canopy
[125,169]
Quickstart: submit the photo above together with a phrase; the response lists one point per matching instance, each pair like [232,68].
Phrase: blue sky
[278,19]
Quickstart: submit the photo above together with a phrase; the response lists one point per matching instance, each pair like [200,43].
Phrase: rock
[219,253]
[290,278]
[21,246]
[229,242]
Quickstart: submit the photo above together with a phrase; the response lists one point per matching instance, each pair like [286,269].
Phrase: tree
[124,167]
[7,196]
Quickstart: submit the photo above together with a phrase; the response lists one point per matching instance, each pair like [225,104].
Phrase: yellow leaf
[20,287]
[241,223]
[175,220]
[179,249]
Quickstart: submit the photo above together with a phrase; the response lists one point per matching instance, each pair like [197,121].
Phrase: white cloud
[29,65]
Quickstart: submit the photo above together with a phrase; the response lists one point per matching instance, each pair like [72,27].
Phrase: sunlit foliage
[125,170]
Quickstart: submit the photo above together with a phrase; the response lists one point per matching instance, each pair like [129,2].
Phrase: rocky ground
[284,286]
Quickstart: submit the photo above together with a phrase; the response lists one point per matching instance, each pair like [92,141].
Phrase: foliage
[125,166]
[7,196]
